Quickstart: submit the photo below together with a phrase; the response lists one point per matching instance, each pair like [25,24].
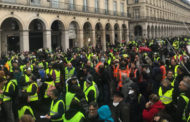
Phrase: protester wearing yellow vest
[68,61]
[49,70]
[188,120]
[68,98]
[89,89]
[170,77]
[174,66]
[24,82]
[175,70]
[71,94]
[49,84]
[71,81]
[8,93]
[74,114]
[10,65]
[69,71]
[57,75]
[183,100]
[165,92]
[56,108]
[31,90]
[23,107]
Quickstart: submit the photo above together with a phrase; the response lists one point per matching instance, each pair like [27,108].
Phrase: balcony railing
[63,6]
[148,18]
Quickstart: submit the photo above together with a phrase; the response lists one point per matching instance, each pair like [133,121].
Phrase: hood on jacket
[105,113]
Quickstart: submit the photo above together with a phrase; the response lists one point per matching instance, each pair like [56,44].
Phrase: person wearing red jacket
[152,108]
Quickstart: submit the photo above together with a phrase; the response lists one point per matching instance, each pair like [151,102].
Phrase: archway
[87,28]
[73,34]
[138,32]
[124,33]
[10,35]
[109,37]
[99,35]
[36,28]
[56,34]
[116,30]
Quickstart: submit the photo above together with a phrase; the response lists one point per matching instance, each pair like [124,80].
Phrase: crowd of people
[137,81]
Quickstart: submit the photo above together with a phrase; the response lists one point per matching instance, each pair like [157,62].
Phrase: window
[72,7]
[115,7]
[147,11]
[85,7]
[96,5]
[127,1]
[35,2]
[106,6]
[122,9]
[55,3]
[136,1]
[136,13]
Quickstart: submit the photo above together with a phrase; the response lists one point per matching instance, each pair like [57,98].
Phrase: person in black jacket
[180,74]
[8,93]
[183,100]
[74,112]
[163,116]
[137,103]
[102,80]
[23,101]
[120,110]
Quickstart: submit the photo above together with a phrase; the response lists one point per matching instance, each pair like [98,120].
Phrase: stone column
[65,40]
[4,43]
[80,38]
[132,36]
[93,38]
[153,33]
[158,33]
[144,34]
[24,40]
[120,36]
[103,40]
[127,34]
[47,39]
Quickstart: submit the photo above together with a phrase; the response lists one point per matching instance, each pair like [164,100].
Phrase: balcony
[47,4]
[148,18]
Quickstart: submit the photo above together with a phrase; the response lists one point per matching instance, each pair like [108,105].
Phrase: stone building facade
[158,18]
[27,25]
